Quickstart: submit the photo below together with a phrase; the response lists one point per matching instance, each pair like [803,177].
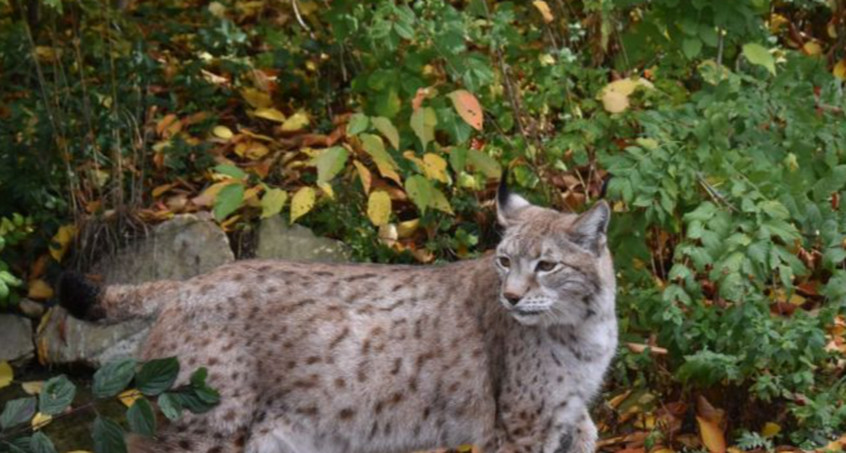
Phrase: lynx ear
[589,229]
[508,204]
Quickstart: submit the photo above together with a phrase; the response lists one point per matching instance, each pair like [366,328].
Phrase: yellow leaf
[468,108]
[839,70]
[302,202]
[388,234]
[41,420]
[770,429]
[364,175]
[615,102]
[32,387]
[407,228]
[128,397]
[327,189]
[417,161]
[222,132]
[61,241]
[712,435]
[270,113]
[543,8]
[256,98]
[379,208]
[812,48]
[6,374]
[435,167]
[272,202]
[208,196]
[296,122]
[162,189]
[39,290]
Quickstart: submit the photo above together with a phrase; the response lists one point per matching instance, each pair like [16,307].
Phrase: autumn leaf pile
[716,133]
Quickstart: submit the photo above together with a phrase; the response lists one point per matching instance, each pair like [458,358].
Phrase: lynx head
[553,266]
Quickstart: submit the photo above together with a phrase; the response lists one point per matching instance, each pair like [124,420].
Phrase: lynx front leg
[584,435]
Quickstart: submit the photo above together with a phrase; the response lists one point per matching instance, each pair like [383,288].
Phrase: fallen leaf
[364,175]
[770,429]
[712,435]
[543,8]
[222,132]
[302,203]
[6,374]
[839,70]
[128,397]
[272,202]
[61,241]
[256,98]
[39,290]
[468,107]
[812,48]
[379,208]
[270,113]
[296,122]
[168,126]
[32,387]
[41,420]
[407,228]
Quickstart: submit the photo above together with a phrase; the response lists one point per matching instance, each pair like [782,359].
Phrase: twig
[713,193]
[296,5]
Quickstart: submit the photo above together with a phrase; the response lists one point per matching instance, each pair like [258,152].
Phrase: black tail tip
[79,296]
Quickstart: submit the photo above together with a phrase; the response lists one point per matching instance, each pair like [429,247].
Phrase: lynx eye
[504,262]
[545,266]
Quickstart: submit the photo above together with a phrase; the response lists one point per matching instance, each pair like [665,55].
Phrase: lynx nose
[512,298]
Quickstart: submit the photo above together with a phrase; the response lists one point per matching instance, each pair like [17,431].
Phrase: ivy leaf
[17,411]
[329,162]
[108,436]
[468,108]
[379,207]
[358,124]
[56,395]
[170,406]
[113,377]
[272,202]
[141,418]
[228,200]
[40,443]
[387,128]
[423,122]
[759,55]
[419,190]
[157,375]
[302,202]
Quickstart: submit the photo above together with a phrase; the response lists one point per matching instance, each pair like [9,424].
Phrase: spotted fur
[329,358]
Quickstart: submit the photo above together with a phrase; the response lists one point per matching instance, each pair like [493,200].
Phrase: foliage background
[717,129]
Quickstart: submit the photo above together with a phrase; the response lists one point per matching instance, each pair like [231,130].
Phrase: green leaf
[228,200]
[170,406]
[419,190]
[358,124]
[157,375]
[374,146]
[388,103]
[458,158]
[708,34]
[423,123]
[40,443]
[108,436]
[17,411]
[141,418]
[484,163]
[272,202]
[691,47]
[230,170]
[387,128]
[56,395]
[113,378]
[329,162]
[759,55]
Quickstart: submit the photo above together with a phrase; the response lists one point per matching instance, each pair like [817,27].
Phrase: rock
[15,338]
[277,240]
[31,308]
[178,249]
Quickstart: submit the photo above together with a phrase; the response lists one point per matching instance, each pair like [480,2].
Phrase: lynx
[504,352]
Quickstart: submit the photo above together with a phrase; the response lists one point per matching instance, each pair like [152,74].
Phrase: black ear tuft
[508,205]
[79,296]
